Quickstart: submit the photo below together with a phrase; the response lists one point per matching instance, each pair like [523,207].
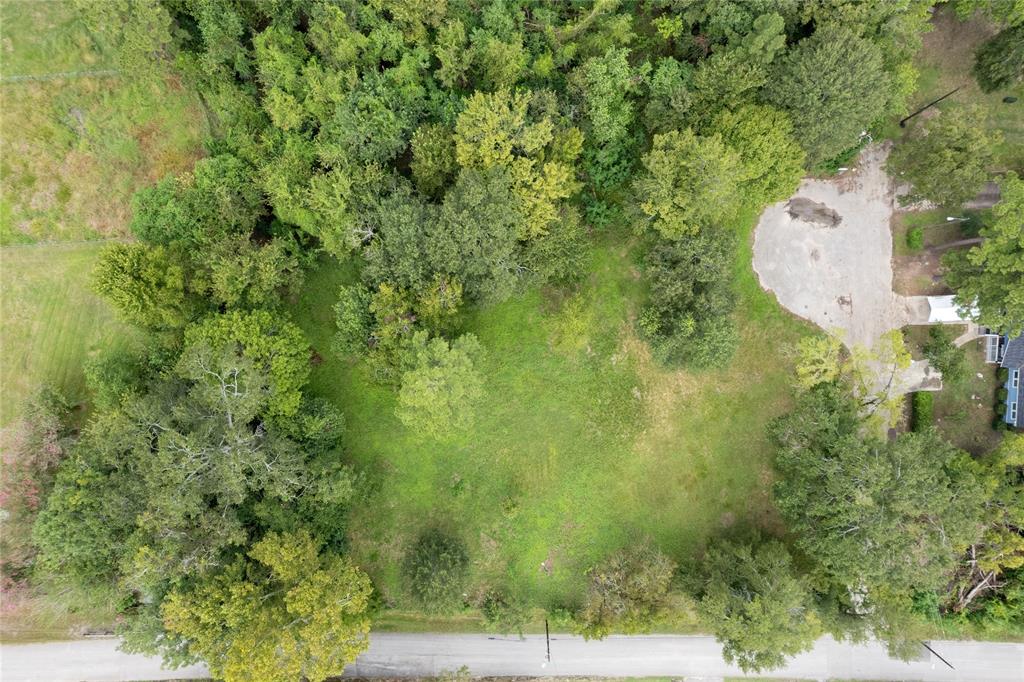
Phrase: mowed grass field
[49,321]
[582,444]
[74,149]
[945,63]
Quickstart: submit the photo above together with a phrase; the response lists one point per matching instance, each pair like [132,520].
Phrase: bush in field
[628,590]
[915,238]
[504,612]
[32,447]
[435,571]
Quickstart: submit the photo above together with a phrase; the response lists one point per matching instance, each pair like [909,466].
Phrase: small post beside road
[547,639]
[925,645]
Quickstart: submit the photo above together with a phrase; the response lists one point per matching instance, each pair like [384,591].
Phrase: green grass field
[582,444]
[49,321]
[945,63]
[73,150]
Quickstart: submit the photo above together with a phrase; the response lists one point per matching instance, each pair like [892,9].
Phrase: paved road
[425,654]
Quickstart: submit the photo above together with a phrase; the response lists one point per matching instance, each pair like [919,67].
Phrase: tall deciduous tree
[999,62]
[604,85]
[276,347]
[772,159]
[757,605]
[441,386]
[891,516]
[147,286]
[689,184]
[947,160]
[474,236]
[833,85]
[217,199]
[288,612]
[627,591]
[991,275]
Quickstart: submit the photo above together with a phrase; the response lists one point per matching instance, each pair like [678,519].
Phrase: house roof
[1013,355]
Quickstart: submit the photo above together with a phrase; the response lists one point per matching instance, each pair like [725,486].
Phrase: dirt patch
[918,275]
[813,212]
[661,392]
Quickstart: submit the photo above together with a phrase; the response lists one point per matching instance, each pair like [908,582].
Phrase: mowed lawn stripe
[50,321]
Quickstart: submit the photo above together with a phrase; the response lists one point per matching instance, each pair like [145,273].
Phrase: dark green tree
[475,235]
[217,199]
[688,316]
[833,85]
[435,571]
[999,62]
[948,157]
[990,275]
[757,605]
[875,516]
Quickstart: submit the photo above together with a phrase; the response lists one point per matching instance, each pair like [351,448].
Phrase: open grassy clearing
[73,150]
[945,63]
[49,321]
[582,444]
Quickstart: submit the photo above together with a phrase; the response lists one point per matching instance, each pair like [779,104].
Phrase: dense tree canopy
[833,85]
[947,160]
[990,276]
[436,159]
[757,605]
[874,515]
[999,62]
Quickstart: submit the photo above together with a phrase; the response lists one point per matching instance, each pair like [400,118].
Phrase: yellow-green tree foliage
[690,183]
[496,129]
[287,612]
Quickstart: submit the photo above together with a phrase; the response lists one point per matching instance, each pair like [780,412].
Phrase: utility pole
[547,639]
[925,645]
[903,122]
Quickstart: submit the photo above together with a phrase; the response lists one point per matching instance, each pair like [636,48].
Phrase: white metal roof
[943,310]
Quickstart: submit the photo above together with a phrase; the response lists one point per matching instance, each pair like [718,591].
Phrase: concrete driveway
[826,254]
